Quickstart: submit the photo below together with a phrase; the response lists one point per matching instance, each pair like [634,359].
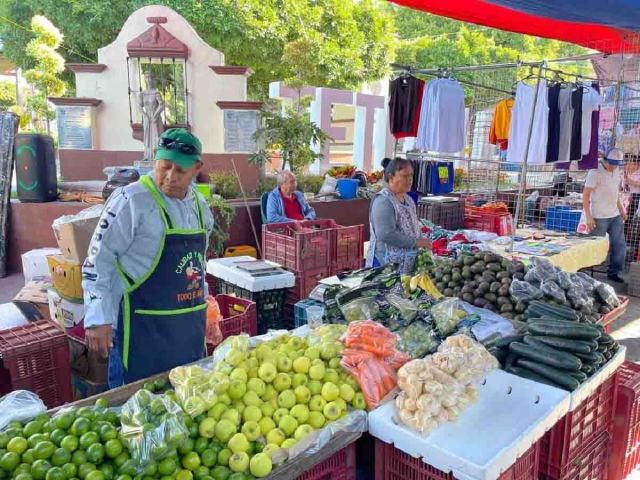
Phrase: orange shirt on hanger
[499,133]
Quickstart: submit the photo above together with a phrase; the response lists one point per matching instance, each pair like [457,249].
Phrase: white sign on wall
[74,127]
[239,127]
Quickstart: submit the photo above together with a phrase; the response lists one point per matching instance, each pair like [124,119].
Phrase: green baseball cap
[179,146]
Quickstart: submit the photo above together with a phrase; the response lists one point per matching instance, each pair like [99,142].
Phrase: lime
[39,469]
[56,436]
[22,468]
[79,457]
[70,443]
[44,450]
[36,438]
[194,431]
[199,418]
[9,461]
[4,439]
[186,447]
[168,477]
[85,469]
[108,471]
[208,457]
[48,427]
[112,417]
[201,472]
[108,432]
[201,445]
[23,476]
[17,445]
[32,428]
[159,450]
[14,432]
[167,466]
[29,456]
[88,439]
[184,475]
[220,473]
[95,475]
[160,384]
[239,476]
[95,453]
[55,473]
[191,461]
[120,459]
[143,397]
[60,457]
[80,426]
[151,469]
[149,386]
[87,412]
[102,402]
[113,448]
[123,477]
[64,420]
[128,467]
[70,470]
[216,447]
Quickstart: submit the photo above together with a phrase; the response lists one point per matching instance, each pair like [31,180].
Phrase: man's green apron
[162,319]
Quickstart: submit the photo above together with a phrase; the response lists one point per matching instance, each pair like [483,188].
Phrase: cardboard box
[66,276]
[35,265]
[68,315]
[33,301]
[83,388]
[88,364]
[74,234]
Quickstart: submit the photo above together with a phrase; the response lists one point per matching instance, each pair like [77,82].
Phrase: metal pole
[175,93]
[129,92]
[523,177]
[253,227]
[186,94]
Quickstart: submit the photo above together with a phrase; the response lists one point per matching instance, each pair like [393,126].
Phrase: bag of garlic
[438,388]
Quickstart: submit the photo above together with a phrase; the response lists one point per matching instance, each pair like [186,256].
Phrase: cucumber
[608,355]
[547,356]
[501,354]
[567,345]
[529,375]
[505,341]
[551,321]
[574,331]
[588,369]
[598,326]
[578,375]
[606,339]
[591,357]
[555,311]
[511,360]
[555,375]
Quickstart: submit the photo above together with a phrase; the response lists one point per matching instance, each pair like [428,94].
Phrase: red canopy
[480,12]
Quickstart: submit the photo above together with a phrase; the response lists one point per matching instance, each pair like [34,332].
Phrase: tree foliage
[7,95]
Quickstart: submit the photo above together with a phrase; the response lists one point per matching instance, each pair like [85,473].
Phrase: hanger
[529,76]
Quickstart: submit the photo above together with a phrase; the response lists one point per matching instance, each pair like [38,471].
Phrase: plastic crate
[211,283]
[592,463]
[296,246]
[448,215]
[578,430]
[500,223]
[305,283]
[340,466]
[347,248]
[562,219]
[239,316]
[625,451]
[36,357]
[300,311]
[269,303]
[394,464]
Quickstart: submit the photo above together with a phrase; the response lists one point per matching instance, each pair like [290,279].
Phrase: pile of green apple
[259,401]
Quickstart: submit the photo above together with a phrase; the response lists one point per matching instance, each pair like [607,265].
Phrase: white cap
[615,156]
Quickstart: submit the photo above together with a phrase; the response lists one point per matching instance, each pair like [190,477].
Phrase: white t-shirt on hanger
[566,123]
[591,102]
[442,117]
[521,120]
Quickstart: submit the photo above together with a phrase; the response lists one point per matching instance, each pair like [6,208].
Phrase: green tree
[7,95]
[352,41]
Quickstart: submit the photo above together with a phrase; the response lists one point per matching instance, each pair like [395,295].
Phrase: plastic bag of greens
[552,290]
[446,317]
[388,276]
[539,271]
[564,281]
[360,303]
[578,298]
[607,294]
[407,308]
[524,291]
[332,311]
[20,406]
[152,427]
[418,339]
[588,284]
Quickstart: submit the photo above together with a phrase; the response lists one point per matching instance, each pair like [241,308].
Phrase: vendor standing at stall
[396,233]
[604,211]
[143,281]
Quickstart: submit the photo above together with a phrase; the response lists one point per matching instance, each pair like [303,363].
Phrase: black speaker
[35,168]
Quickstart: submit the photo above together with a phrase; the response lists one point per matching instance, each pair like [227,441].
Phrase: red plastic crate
[36,357]
[394,464]
[578,431]
[295,246]
[239,316]
[500,223]
[305,283]
[593,463]
[340,466]
[211,283]
[625,451]
[346,244]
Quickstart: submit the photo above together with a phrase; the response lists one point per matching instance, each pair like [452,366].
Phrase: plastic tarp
[588,23]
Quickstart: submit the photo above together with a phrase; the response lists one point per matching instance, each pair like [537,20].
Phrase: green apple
[288,425]
[316,372]
[239,462]
[330,392]
[221,386]
[269,393]
[252,413]
[303,394]
[270,448]
[225,399]
[317,403]
[331,376]
[359,402]
[260,465]
[286,399]
[253,373]
[295,355]
[207,427]
[353,383]
[296,342]
[301,365]
[267,372]
[328,351]
[224,456]
[237,389]
[224,368]
[279,413]
[267,409]
[288,443]
[315,387]
[238,405]
[217,410]
[251,430]
[286,349]
[251,399]
[318,361]
[232,415]
[316,419]
[285,364]
[334,363]
[299,379]
[266,425]
[284,338]
[347,392]
[239,374]
[234,357]
[238,443]
[271,358]
[276,436]
[253,363]
[225,429]
[256,385]
[282,382]
[300,413]
[331,411]
[312,353]
[342,404]
[302,431]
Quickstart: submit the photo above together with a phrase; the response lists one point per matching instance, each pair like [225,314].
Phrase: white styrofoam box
[512,414]
[587,388]
[11,317]
[34,263]
[225,269]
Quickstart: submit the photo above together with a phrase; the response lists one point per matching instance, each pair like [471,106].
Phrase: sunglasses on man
[181,147]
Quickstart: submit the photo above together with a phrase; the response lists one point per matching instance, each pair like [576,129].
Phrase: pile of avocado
[481,279]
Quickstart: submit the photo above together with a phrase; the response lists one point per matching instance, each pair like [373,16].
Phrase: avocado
[447,269]
[520,307]
[468,289]
[495,286]
[519,266]
[468,260]
[507,307]
[437,275]
[520,318]
[479,255]
[446,278]
[471,283]
[480,302]
[488,276]
[504,291]
[440,286]
[477,293]
[505,262]
[501,275]
[456,270]
[491,258]
[508,315]
[448,292]
[484,287]
[468,297]
[456,277]
[506,281]
[457,290]
[466,273]
[501,301]
[491,297]
[518,276]
[452,284]
[491,307]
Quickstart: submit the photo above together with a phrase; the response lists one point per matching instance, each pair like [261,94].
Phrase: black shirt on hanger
[576,127]
[553,140]
[403,101]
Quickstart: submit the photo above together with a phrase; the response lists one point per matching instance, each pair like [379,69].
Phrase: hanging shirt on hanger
[575,152]
[566,123]
[590,160]
[403,102]
[591,101]
[553,140]
[521,121]
[501,123]
[442,118]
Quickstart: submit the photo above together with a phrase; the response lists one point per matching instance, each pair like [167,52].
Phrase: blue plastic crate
[300,311]
[562,219]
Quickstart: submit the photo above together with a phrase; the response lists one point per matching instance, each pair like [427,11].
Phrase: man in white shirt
[604,211]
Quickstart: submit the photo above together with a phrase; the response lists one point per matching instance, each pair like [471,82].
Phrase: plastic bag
[564,281]
[153,427]
[418,339]
[360,309]
[214,317]
[445,316]
[578,298]
[552,290]
[376,378]
[371,337]
[406,308]
[525,291]
[607,294]
[328,187]
[464,359]
[588,284]
[20,406]
[540,271]
[333,314]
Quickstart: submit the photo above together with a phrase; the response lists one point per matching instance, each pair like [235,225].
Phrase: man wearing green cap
[143,281]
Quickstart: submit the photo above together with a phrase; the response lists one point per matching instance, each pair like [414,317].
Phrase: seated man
[285,204]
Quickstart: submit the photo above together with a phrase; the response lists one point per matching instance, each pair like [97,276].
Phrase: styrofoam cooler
[512,414]
[226,269]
